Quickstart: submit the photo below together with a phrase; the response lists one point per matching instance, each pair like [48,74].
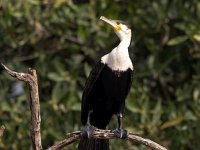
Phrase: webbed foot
[87,131]
[120,133]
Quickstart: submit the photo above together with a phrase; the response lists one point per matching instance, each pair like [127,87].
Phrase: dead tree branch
[31,79]
[105,134]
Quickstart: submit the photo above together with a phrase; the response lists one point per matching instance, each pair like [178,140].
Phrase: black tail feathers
[93,144]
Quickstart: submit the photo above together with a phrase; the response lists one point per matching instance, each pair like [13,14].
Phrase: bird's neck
[118,58]
[123,45]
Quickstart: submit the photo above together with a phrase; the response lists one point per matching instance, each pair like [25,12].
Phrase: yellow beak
[117,27]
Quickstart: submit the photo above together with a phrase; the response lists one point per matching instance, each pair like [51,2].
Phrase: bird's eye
[118,23]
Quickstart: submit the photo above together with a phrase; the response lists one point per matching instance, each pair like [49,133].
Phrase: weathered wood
[105,134]
[31,79]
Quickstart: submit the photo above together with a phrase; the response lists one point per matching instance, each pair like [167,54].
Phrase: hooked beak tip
[102,18]
[109,21]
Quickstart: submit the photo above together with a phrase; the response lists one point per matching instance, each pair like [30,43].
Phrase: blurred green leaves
[63,39]
[177,40]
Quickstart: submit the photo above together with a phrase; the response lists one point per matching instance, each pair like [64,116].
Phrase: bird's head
[120,27]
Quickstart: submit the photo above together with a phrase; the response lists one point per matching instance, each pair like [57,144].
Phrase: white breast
[118,60]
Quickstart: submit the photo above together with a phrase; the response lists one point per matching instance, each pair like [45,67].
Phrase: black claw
[120,133]
[87,131]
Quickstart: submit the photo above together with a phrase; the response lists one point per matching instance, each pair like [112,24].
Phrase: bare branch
[105,134]
[31,79]
[20,76]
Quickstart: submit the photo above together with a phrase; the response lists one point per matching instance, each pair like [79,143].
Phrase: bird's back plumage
[105,92]
[89,85]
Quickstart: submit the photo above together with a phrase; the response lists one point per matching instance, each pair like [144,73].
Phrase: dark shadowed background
[63,39]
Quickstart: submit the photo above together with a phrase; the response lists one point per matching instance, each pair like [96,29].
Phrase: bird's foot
[87,131]
[120,133]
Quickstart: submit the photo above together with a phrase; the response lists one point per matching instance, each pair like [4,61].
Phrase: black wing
[130,82]
[94,74]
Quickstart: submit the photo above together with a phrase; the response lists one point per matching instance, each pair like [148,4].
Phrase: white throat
[118,59]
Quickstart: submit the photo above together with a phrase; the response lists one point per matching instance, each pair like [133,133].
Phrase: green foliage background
[63,39]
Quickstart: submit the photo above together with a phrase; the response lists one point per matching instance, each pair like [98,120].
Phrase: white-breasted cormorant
[106,90]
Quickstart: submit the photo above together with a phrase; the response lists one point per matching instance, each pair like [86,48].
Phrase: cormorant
[106,90]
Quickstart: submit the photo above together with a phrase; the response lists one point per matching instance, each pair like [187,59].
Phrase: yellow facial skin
[118,27]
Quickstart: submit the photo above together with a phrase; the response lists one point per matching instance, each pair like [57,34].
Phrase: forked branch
[31,79]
